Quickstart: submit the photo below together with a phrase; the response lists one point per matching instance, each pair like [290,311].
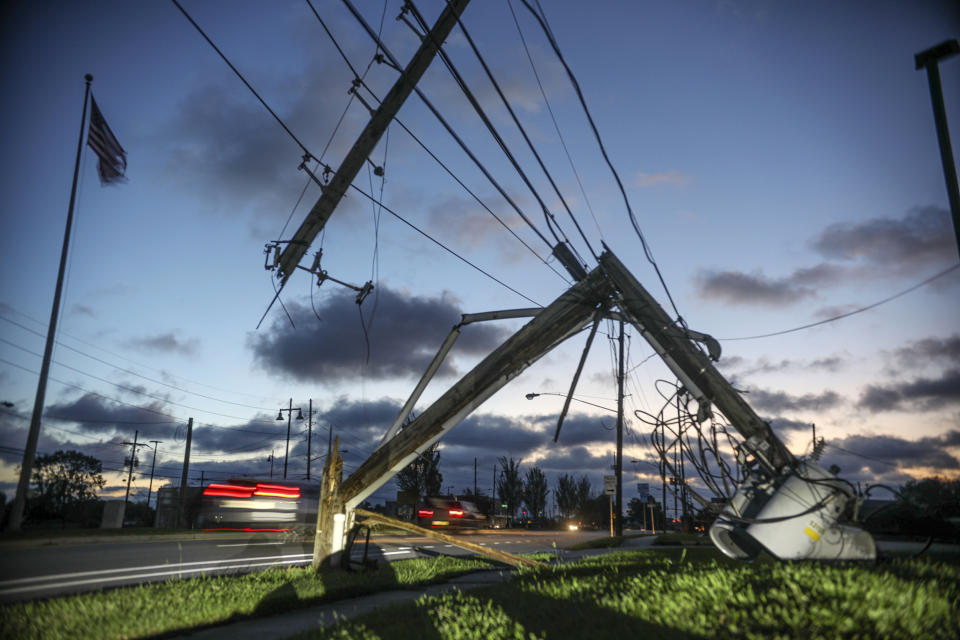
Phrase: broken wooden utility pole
[326,541]
[564,317]
[334,191]
[493,554]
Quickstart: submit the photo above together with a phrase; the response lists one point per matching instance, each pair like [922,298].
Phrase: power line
[553,117]
[138,375]
[603,151]
[116,355]
[854,312]
[443,246]
[244,80]
[447,126]
[360,79]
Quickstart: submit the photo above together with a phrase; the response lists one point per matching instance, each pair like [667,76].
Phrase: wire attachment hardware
[323,276]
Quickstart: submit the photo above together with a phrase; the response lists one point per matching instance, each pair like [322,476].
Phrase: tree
[509,485]
[535,493]
[583,491]
[933,497]
[423,474]
[566,496]
[64,480]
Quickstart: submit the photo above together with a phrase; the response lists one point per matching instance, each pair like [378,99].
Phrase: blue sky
[781,160]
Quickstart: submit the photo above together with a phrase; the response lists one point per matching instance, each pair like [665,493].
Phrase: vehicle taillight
[455,513]
[228,490]
[276,490]
[424,513]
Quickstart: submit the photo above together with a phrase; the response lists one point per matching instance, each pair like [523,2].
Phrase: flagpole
[26,468]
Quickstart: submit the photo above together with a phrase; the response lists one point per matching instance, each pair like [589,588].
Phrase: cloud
[165,343]
[82,310]
[673,178]
[737,287]
[920,353]
[743,367]
[923,237]
[96,414]
[879,455]
[404,334]
[779,401]
[867,250]
[222,141]
[920,394]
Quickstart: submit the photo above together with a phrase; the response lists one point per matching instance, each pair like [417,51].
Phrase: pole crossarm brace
[564,317]
[692,366]
[465,319]
[365,144]
[493,554]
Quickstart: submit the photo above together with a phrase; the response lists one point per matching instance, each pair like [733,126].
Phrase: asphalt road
[30,572]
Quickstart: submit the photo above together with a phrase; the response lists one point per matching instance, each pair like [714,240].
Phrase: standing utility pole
[289,410]
[929,60]
[153,467]
[309,434]
[620,375]
[30,451]
[133,462]
[183,476]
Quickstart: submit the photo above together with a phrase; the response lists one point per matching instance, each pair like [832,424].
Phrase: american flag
[113,159]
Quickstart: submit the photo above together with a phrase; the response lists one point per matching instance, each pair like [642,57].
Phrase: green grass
[179,605]
[684,593]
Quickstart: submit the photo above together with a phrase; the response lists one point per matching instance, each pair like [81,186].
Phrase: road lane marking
[58,576]
[250,544]
[172,572]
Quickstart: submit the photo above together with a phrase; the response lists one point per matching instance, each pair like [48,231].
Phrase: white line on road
[250,544]
[172,572]
[78,574]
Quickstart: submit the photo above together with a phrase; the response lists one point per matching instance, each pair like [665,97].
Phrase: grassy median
[684,594]
[180,605]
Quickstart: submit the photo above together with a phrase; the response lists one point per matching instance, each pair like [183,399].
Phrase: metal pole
[929,60]
[620,375]
[183,475]
[153,467]
[309,434]
[33,435]
[287,454]
[133,461]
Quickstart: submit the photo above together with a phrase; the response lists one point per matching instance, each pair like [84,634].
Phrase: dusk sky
[780,158]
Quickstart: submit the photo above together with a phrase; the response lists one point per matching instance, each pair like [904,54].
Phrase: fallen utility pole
[493,554]
[567,315]
[334,191]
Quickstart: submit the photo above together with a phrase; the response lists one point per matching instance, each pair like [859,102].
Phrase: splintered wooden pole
[493,554]
[325,542]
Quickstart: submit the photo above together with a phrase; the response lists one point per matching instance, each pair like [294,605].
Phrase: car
[439,512]
[246,504]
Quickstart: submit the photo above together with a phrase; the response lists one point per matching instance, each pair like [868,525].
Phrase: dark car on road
[440,512]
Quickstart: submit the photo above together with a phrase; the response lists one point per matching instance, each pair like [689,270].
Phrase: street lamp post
[531,396]
[289,411]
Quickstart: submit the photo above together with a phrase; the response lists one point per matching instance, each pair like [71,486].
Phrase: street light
[531,396]
[289,416]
